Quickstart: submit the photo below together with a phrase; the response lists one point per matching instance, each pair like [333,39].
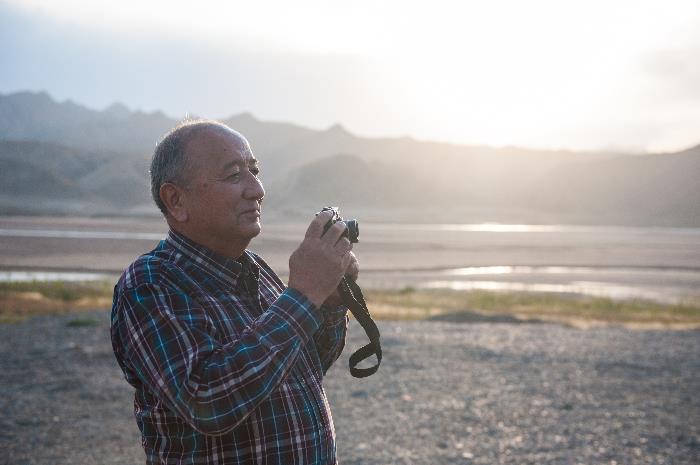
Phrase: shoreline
[21,300]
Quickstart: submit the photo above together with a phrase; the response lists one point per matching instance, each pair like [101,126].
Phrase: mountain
[281,146]
[659,189]
[36,116]
[84,161]
[345,179]
[46,178]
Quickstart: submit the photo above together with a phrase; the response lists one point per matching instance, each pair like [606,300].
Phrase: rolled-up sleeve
[170,343]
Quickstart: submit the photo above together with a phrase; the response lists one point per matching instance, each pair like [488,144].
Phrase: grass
[582,311]
[66,291]
[20,300]
[82,322]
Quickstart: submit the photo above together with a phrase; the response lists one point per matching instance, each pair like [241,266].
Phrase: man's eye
[233,176]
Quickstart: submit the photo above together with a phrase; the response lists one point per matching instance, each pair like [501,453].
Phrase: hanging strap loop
[352,297]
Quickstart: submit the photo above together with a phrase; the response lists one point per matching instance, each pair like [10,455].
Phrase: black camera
[352,298]
[352,231]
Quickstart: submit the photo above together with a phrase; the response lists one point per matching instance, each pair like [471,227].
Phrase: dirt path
[446,394]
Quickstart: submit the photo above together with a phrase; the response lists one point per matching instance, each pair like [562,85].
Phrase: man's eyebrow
[229,165]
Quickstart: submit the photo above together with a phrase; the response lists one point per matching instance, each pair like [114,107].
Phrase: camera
[352,231]
[352,298]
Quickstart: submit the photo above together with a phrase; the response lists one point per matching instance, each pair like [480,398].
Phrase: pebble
[446,393]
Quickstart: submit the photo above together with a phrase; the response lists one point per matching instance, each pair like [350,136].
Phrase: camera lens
[353,230]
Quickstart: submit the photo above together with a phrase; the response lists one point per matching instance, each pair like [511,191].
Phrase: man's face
[223,195]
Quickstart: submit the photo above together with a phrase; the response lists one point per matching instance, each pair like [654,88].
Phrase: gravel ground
[447,393]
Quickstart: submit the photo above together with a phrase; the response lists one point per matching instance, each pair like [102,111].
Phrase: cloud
[675,73]
[152,71]
[576,82]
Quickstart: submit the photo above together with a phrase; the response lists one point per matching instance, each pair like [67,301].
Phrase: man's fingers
[343,245]
[335,232]
[346,260]
[353,270]
[315,229]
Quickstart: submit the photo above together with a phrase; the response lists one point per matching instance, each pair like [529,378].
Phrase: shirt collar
[221,266]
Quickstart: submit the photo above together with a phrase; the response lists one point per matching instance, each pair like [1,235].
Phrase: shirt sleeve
[170,343]
[330,339]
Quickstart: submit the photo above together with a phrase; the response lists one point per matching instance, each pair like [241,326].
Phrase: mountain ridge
[104,154]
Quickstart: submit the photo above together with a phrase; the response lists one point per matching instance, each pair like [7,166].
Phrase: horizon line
[339,126]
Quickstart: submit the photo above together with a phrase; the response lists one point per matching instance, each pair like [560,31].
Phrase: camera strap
[352,297]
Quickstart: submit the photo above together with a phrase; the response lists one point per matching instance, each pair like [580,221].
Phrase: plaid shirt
[226,362]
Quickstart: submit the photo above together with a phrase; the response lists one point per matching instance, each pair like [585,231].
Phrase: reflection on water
[661,264]
[530,228]
[595,289]
[405,227]
[565,270]
[529,279]
[666,285]
[29,276]
[65,234]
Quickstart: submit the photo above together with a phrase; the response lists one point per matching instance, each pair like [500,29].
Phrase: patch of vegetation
[20,300]
[82,322]
[65,291]
[574,309]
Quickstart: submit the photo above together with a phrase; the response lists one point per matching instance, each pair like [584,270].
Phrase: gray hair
[169,162]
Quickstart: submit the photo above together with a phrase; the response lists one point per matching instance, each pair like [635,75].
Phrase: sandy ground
[447,393]
[381,247]
[642,261]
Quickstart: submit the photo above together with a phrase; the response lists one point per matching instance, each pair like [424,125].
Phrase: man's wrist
[303,309]
[331,314]
[333,301]
[315,301]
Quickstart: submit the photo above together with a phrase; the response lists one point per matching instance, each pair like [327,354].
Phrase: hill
[85,161]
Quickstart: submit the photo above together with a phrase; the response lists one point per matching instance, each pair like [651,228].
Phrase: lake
[660,264]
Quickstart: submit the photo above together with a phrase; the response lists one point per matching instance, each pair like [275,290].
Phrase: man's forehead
[220,146]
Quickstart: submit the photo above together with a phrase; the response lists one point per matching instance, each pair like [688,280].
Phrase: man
[226,361]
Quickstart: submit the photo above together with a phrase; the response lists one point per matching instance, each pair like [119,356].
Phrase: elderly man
[227,362]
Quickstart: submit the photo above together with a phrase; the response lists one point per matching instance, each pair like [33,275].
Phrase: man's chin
[253,229]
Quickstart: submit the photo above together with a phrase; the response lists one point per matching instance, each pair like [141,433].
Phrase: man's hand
[352,272]
[319,263]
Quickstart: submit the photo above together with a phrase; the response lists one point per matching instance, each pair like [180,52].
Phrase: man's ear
[173,198]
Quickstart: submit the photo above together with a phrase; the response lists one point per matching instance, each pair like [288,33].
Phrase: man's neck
[228,248]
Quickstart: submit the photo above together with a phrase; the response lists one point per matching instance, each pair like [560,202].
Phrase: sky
[615,74]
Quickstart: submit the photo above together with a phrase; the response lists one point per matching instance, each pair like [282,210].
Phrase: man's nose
[255,189]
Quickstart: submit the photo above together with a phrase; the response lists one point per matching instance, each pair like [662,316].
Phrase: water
[403,227]
[661,264]
[29,276]
[659,284]
[596,289]
[531,228]
[66,234]
[664,285]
